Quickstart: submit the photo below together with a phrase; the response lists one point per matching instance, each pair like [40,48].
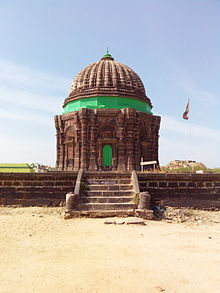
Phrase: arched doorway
[107,156]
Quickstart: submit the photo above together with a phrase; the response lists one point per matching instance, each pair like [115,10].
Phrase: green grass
[213,170]
[13,165]
[18,168]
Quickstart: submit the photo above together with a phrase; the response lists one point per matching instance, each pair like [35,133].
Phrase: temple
[107,122]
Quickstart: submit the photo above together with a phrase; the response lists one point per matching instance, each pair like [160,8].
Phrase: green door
[107,156]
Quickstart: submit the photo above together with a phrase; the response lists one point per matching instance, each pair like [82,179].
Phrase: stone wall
[49,189]
[183,190]
[37,189]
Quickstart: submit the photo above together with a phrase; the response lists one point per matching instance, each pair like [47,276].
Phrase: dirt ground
[40,252]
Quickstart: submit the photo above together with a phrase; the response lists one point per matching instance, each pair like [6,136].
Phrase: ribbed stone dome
[107,78]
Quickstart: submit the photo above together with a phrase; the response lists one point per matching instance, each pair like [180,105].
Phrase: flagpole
[191,148]
[186,117]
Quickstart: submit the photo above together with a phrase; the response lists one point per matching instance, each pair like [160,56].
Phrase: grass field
[18,168]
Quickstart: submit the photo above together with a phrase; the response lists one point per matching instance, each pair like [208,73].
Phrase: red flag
[185,114]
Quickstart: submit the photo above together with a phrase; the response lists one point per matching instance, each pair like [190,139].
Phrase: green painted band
[107,103]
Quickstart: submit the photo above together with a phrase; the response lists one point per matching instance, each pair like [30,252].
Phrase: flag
[185,114]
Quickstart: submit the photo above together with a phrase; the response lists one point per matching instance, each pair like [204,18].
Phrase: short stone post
[71,204]
[70,197]
[144,202]
[143,209]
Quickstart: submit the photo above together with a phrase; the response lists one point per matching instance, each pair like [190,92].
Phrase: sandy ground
[40,252]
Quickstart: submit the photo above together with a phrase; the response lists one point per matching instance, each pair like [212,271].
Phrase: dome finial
[107,56]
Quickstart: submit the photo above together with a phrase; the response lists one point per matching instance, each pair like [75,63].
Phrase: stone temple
[107,123]
[107,127]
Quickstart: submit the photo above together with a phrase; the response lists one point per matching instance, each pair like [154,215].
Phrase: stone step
[106,181]
[105,206]
[104,187]
[104,199]
[106,174]
[100,214]
[107,193]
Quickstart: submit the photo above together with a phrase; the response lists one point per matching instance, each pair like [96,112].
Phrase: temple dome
[107,78]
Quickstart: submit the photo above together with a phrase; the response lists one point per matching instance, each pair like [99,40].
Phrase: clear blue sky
[173,45]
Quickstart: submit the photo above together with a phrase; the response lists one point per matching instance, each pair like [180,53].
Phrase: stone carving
[98,138]
[127,140]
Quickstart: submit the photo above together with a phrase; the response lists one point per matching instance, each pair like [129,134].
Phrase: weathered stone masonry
[179,190]
[183,190]
[82,134]
[27,189]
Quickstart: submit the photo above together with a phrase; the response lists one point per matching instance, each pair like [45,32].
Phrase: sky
[173,45]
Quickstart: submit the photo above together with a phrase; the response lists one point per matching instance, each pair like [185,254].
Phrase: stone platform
[110,191]
[145,214]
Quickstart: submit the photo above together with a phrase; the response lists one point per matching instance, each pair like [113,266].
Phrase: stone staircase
[106,194]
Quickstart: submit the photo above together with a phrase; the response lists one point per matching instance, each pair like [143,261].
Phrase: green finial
[107,55]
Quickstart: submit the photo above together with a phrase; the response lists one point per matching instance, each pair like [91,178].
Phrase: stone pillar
[129,138]
[121,146]
[100,156]
[155,137]
[59,124]
[151,139]
[76,166]
[83,120]
[58,159]
[65,155]
[114,156]
[137,146]
[92,158]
